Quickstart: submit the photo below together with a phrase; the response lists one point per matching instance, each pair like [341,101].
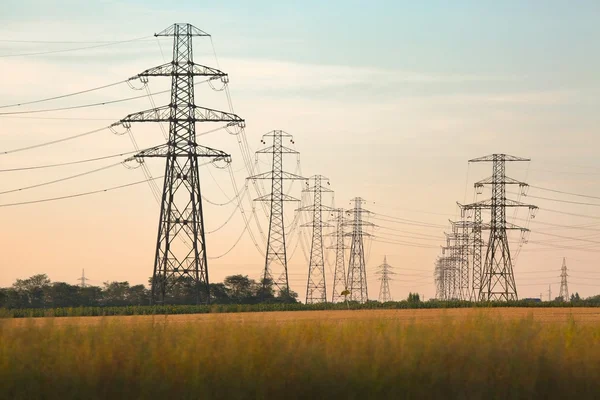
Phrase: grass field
[456,353]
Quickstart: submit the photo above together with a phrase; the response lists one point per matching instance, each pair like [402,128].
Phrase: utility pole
[83,279]
[564,288]
[357,271]
[276,254]
[498,281]
[549,292]
[316,289]
[180,255]
[384,271]
[339,274]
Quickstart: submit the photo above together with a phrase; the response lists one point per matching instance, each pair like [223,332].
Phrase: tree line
[39,291]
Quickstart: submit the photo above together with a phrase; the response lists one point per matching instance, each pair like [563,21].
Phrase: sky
[388,99]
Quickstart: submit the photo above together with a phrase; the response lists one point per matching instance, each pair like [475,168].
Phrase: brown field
[492,353]
[542,315]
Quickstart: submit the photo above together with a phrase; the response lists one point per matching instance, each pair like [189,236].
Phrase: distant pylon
[180,255]
[564,288]
[83,279]
[339,274]
[478,244]
[316,289]
[276,254]
[549,292]
[384,271]
[357,271]
[498,281]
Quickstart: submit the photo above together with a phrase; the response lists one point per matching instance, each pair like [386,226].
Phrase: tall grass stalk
[479,357]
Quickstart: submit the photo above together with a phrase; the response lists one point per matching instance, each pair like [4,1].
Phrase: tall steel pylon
[564,288]
[498,281]
[461,231]
[339,274]
[384,271]
[478,244]
[275,270]
[83,279]
[316,289]
[180,255]
[357,270]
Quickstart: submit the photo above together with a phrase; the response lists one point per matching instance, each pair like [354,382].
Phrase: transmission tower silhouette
[497,280]
[276,256]
[339,274]
[564,288]
[357,271]
[478,245]
[384,271]
[316,290]
[461,249]
[83,279]
[181,247]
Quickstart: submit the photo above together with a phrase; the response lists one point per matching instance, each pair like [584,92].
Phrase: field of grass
[369,354]
[269,307]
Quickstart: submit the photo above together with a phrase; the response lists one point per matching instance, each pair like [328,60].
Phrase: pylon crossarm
[269,197]
[200,114]
[312,208]
[499,157]
[182,69]
[284,175]
[284,150]
[183,30]
[166,150]
[506,181]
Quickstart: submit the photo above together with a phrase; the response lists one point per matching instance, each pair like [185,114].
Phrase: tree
[413,298]
[138,295]
[219,293]
[33,289]
[115,293]
[61,294]
[241,289]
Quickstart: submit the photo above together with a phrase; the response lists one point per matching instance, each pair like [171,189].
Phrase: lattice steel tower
[384,271]
[498,281]
[181,248]
[275,270]
[564,288]
[357,270]
[316,290]
[339,274]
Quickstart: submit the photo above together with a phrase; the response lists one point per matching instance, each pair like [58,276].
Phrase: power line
[66,163]
[77,194]
[60,180]
[568,213]
[81,106]
[35,146]
[568,193]
[64,95]
[562,201]
[39,53]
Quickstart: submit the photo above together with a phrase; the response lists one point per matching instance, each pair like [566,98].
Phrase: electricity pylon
[180,255]
[339,274]
[384,271]
[498,281]
[276,254]
[460,236]
[83,279]
[316,289]
[564,288]
[357,270]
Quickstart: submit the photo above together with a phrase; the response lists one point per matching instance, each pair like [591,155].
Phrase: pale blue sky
[389,99]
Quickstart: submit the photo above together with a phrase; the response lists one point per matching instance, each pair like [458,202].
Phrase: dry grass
[456,353]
